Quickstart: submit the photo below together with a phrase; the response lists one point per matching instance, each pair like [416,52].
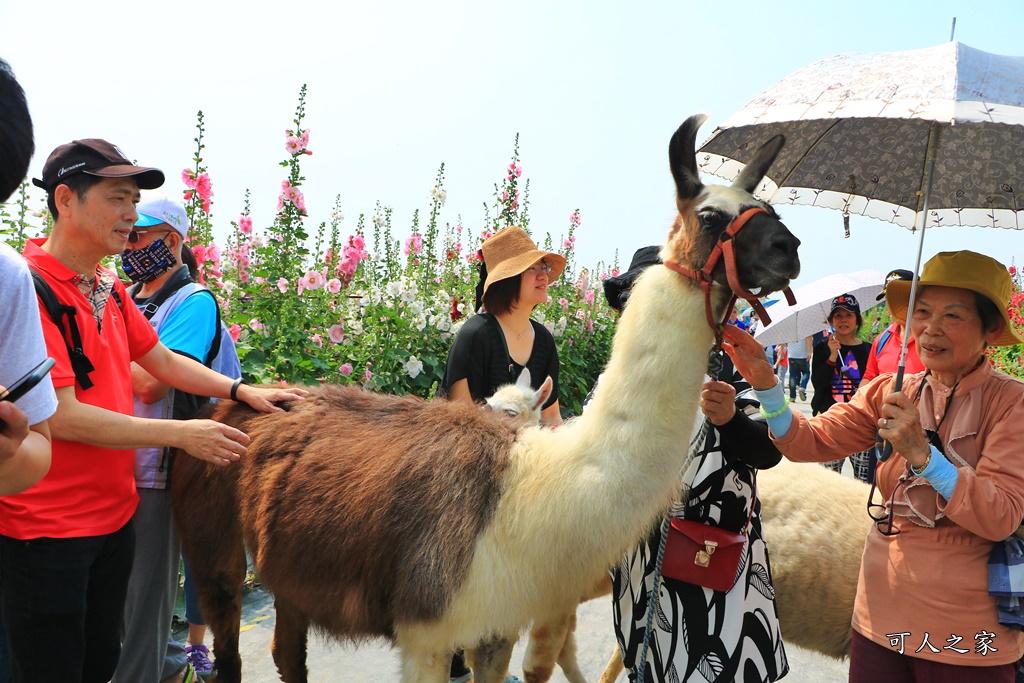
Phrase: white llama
[354,504]
[519,400]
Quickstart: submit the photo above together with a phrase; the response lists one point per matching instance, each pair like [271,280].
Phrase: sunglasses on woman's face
[135,234]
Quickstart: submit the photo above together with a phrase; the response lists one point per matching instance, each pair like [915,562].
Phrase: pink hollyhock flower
[413,244]
[589,296]
[345,369]
[199,251]
[245,224]
[334,285]
[336,333]
[563,302]
[235,330]
[255,325]
[1013,270]
[260,280]
[188,195]
[203,186]
[317,339]
[315,280]
[580,314]
[282,285]
[292,145]
[188,177]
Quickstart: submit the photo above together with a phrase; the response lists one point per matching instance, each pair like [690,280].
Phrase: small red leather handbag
[705,555]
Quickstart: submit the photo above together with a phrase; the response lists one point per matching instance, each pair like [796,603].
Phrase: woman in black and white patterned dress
[699,634]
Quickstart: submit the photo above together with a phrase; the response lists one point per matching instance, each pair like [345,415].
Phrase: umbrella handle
[887,447]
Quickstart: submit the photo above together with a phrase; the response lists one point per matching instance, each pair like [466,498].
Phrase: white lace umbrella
[918,138]
[813,303]
[863,132]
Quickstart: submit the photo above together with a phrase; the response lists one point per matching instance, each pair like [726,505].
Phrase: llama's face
[766,251]
[520,401]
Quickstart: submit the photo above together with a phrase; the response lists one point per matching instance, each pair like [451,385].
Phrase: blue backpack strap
[882,340]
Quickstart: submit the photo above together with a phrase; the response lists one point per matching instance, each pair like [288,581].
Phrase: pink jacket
[924,592]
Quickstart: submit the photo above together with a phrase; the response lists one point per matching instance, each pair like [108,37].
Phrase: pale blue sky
[595,90]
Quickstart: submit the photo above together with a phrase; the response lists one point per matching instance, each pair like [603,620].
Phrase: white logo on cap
[69,169]
[123,155]
[172,218]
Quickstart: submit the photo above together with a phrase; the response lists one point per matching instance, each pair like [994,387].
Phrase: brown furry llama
[434,524]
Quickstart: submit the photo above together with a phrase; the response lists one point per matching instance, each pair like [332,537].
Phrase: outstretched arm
[193,377]
[742,437]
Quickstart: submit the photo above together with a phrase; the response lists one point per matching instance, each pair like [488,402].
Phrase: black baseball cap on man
[894,276]
[95,157]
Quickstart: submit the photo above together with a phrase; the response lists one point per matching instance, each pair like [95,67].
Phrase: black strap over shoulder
[504,345]
[179,279]
[80,363]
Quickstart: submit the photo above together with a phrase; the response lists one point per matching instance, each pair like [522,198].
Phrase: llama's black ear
[683,157]
[763,159]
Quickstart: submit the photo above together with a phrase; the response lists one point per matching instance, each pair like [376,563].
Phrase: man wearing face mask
[185,316]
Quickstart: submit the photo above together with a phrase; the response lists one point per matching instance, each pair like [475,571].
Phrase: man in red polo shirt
[67,544]
[887,347]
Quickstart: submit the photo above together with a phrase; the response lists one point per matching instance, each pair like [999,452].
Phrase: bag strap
[504,345]
[80,363]
[180,278]
[882,340]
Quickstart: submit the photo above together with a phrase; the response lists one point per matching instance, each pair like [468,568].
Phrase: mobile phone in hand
[26,383]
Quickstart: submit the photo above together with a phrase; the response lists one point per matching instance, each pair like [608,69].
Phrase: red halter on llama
[437,525]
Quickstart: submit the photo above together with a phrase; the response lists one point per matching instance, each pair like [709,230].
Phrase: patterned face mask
[149,263]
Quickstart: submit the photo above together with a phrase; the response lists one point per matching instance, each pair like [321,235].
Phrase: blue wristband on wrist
[773,403]
[941,474]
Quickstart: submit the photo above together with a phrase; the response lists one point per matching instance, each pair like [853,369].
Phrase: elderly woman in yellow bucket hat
[952,491]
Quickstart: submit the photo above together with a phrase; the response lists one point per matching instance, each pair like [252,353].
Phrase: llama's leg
[425,668]
[614,668]
[547,638]
[289,646]
[220,599]
[567,657]
[490,659]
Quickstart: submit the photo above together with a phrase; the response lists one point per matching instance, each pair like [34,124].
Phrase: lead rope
[714,368]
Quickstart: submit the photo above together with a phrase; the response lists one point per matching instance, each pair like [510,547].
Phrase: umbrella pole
[934,134]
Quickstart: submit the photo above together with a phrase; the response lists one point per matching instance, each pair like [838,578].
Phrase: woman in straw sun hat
[953,489]
[494,346]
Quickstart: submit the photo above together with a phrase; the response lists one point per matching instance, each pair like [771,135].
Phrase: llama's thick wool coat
[815,523]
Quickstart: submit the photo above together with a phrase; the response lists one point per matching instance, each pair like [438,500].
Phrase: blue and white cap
[156,208]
